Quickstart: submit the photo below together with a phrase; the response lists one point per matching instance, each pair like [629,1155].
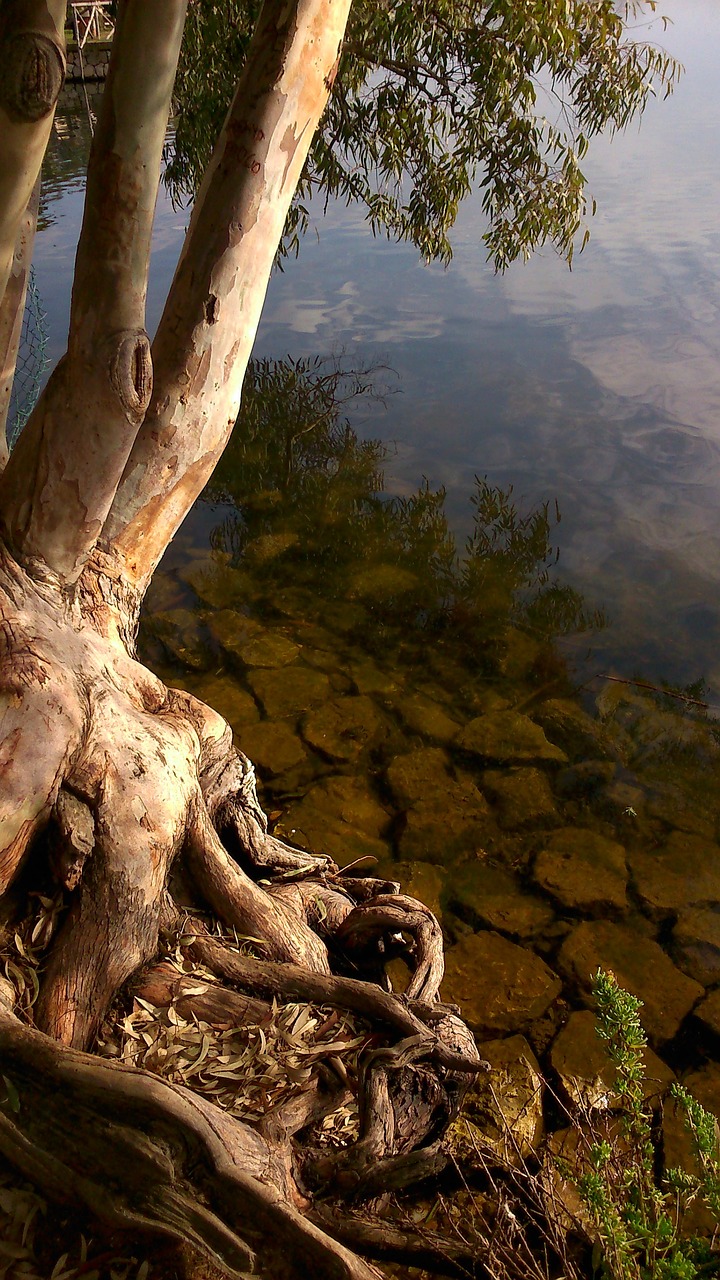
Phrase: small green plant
[637,1213]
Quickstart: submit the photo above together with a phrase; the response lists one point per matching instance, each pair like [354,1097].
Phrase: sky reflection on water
[600,388]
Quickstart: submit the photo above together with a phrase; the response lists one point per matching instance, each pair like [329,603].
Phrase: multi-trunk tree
[135,793]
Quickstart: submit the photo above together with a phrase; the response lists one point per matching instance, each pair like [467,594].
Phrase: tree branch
[62,476]
[32,55]
[211,316]
[12,308]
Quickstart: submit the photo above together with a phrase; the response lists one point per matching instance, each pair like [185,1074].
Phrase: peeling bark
[208,326]
[63,475]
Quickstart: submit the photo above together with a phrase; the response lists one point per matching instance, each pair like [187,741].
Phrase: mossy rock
[427,718]
[288,691]
[224,694]
[640,965]
[492,898]
[343,728]
[273,747]
[684,872]
[695,944]
[499,986]
[502,1113]
[418,776]
[583,871]
[507,737]
[523,798]
[446,825]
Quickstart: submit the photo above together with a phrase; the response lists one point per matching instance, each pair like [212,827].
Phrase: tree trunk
[130,780]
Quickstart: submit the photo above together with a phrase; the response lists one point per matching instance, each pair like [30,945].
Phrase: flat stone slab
[226,696]
[695,944]
[523,798]
[583,870]
[507,737]
[684,872]
[640,965]
[502,1110]
[344,728]
[493,898]
[272,746]
[288,691]
[582,1063]
[499,986]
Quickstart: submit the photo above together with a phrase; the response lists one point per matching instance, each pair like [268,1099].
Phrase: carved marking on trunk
[33,72]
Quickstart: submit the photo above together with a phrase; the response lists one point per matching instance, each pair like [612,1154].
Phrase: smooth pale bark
[32,68]
[64,472]
[12,308]
[208,327]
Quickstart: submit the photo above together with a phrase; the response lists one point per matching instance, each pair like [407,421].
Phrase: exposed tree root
[137,781]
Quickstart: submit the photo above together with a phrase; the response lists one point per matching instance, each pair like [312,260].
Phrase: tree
[132,791]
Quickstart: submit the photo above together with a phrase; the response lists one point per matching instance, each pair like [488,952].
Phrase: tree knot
[131,373]
[33,73]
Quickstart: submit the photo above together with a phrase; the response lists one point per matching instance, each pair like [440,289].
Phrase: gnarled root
[137,781]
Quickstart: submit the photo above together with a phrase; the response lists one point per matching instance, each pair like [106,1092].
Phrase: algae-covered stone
[446,825]
[270,546]
[487,896]
[369,678]
[178,630]
[383,583]
[685,872]
[696,944]
[287,691]
[344,728]
[704,1084]
[229,627]
[507,737]
[419,775]
[583,1066]
[225,695]
[502,1114]
[586,780]
[499,986]
[523,798]
[217,584]
[571,728]
[426,717]
[640,965]
[339,816]
[519,654]
[583,870]
[266,649]
[272,746]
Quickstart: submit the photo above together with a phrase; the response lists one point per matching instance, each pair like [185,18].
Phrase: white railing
[91,20]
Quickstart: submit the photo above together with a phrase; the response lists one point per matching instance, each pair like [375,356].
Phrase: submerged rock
[583,870]
[499,986]
[419,775]
[344,728]
[502,1115]
[288,691]
[640,965]
[383,583]
[421,880]
[426,717]
[272,746]
[487,896]
[507,737]
[225,695]
[571,728]
[696,944]
[685,872]
[339,816]
[523,798]
[449,823]
[369,678]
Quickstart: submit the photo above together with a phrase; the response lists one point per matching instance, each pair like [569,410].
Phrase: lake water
[394,702]
[598,388]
